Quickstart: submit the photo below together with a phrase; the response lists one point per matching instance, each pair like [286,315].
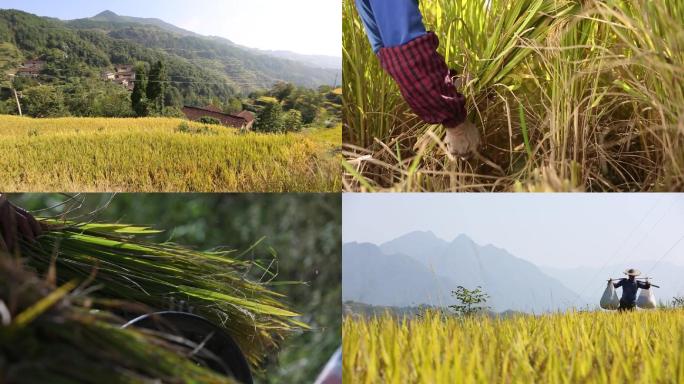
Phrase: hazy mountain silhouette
[420,268]
[372,277]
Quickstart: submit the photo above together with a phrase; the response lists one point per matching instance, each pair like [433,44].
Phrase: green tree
[156,87]
[5,108]
[470,301]
[307,102]
[270,118]
[282,90]
[292,121]
[234,106]
[116,102]
[173,97]
[139,95]
[44,101]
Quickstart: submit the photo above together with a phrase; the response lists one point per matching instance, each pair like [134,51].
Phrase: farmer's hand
[462,140]
[16,223]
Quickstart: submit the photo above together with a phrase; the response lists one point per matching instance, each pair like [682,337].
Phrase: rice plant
[576,347]
[122,266]
[153,155]
[52,334]
[569,95]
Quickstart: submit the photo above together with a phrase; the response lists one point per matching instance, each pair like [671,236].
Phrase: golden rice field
[568,95]
[588,347]
[156,155]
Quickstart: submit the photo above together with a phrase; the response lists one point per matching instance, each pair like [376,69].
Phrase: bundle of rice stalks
[123,266]
[486,40]
[50,335]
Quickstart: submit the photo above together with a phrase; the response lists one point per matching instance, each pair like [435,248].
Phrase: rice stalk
[64,341]
[214,284]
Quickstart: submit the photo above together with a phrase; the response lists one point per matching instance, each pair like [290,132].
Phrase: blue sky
[556,230]
[303,26]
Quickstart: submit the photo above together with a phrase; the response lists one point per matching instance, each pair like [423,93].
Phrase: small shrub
[209,120]
[470,301]
[678,302]
[184,127]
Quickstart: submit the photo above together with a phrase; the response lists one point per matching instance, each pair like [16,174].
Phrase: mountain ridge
[107,16]
[96,45]
[512,282]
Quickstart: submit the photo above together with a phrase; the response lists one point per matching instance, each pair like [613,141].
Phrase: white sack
[646,299]
[610,299]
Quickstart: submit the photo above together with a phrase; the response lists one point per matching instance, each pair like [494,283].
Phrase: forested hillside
[200,68]
[77,56]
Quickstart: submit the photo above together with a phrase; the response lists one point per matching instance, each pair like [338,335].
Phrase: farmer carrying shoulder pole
[409,54]
[630,285]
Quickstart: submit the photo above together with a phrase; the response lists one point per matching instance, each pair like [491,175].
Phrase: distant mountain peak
[421,234]
[106,13]
[106,16]
[463,238]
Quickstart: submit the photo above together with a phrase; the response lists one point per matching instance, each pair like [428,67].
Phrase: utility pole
[16,97]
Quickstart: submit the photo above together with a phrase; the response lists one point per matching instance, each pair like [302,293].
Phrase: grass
[589,347]
[569,96]
[157,155]
[330,137]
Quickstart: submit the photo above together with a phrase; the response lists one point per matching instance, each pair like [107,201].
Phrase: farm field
[568,96]
[582,347]
[162,155]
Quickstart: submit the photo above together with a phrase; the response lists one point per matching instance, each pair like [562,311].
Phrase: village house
[123,74]
[243,120]
[31,68]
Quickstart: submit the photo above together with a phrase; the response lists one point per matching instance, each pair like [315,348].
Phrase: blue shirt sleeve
[643,285]
[619,283]
[391,23]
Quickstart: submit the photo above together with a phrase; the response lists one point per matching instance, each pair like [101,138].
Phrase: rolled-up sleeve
[409,54]
[390,23]
[425,81]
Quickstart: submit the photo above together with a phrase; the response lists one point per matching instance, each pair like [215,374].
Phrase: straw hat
[632,272]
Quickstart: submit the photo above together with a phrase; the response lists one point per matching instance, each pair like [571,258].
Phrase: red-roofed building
[247,115]
[239,122]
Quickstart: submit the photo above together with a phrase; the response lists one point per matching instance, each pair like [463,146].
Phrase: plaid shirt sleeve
[424,80]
